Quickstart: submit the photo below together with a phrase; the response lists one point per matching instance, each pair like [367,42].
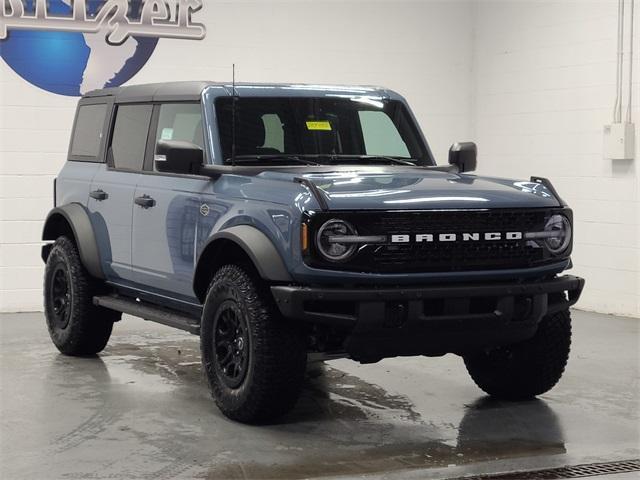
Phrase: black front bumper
[429,320]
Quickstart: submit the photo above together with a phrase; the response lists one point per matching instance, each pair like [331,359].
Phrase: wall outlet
[619,141]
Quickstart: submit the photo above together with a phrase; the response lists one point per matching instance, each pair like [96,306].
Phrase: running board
[146,311]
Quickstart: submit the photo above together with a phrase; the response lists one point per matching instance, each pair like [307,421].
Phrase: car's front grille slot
[439,256]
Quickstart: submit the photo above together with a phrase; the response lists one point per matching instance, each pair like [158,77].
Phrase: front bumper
[429,320]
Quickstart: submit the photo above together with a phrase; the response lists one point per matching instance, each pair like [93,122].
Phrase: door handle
[99,195]
[145,201]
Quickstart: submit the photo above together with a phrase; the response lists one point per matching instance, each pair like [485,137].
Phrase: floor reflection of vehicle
[373,430]
[504,429]
[358,427]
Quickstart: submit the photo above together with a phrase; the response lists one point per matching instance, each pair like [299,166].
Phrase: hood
[410,188]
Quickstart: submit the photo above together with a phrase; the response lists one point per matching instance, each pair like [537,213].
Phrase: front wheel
[527,369]
[253,358]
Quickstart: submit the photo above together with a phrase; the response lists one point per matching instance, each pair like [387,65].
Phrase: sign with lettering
[70,47]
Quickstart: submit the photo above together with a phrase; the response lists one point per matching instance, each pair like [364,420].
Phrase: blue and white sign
[70,47]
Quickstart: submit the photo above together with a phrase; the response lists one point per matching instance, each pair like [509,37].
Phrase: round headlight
[328,240]
[558,229]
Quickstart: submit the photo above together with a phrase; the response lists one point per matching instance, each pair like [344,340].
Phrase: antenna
[233,117]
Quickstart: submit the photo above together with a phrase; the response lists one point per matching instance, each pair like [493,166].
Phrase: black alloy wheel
[254,359]
[60,293]
[231,340]
[75,324]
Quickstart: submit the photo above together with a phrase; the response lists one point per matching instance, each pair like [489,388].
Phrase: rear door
[167,233]
[111,198]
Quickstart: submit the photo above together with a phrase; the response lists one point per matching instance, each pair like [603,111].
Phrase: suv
[286,224]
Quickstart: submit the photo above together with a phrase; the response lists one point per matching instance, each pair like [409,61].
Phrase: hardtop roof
[192,91]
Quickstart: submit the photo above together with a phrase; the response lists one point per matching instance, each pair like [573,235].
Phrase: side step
[153,313]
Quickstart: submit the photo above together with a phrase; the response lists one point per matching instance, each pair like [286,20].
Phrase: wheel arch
[73,220]
[238,243]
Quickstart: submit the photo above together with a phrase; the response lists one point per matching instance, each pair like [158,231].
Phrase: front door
[112,194]
[178,218]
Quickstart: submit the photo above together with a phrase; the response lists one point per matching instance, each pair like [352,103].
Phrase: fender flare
[258,247]
[77,217]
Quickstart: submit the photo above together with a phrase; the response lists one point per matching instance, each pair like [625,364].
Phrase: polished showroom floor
[142,410]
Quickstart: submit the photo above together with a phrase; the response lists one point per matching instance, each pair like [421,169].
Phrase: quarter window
[89,126]
[130,136]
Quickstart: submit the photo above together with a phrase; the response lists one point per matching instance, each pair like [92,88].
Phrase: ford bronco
[286,224]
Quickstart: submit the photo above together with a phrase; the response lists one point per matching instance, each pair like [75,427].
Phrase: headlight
[329,244]
[558,234]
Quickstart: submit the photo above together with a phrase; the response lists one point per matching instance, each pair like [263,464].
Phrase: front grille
[442,256]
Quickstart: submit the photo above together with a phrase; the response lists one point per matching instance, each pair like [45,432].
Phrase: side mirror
[464,156]
[175,156]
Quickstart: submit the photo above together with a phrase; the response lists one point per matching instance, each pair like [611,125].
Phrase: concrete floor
[142,410]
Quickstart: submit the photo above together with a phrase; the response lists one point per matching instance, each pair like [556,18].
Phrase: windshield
[318,131]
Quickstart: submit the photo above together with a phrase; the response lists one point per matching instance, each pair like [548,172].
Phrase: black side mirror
[464,155]
[175,156]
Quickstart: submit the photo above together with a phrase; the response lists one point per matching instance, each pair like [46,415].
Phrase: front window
[318,130]
[180,121]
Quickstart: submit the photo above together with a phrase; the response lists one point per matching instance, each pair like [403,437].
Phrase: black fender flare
[255,244]
[77,218]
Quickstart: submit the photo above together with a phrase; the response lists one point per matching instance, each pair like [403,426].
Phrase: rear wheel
[527,369]
[253,358]
[76,326]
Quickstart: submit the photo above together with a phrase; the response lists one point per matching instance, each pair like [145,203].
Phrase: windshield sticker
[322,125]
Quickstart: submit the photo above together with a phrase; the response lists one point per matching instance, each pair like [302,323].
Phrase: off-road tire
[527,369]
[270,383]
[83,329]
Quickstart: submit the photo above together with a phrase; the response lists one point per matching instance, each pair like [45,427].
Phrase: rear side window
[87,135]
[129,139]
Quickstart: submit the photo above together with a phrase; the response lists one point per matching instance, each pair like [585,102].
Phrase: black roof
[168,91]
[192,91]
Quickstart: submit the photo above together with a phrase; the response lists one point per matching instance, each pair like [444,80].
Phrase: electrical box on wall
[619,141]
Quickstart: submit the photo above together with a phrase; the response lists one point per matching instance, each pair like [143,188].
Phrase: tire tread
[90,326]
[535,367]
[279,352]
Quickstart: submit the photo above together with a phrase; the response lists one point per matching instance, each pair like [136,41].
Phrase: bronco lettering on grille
[456,237]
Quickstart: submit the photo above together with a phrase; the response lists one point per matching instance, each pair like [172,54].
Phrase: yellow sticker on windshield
[323,125]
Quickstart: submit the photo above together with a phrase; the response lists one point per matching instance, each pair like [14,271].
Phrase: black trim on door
[151,139]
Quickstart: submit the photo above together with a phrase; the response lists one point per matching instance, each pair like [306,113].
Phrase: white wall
[544,86]
[532,82]
[421,49]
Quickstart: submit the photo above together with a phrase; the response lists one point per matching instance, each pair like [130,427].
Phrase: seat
[250,135]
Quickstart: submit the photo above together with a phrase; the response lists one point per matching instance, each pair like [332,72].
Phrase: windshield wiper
[332,158]
[270,158]
[395,160]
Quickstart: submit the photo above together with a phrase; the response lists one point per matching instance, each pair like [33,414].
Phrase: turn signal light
[304,237]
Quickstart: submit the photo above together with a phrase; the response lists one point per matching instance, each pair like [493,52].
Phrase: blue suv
[286,224]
